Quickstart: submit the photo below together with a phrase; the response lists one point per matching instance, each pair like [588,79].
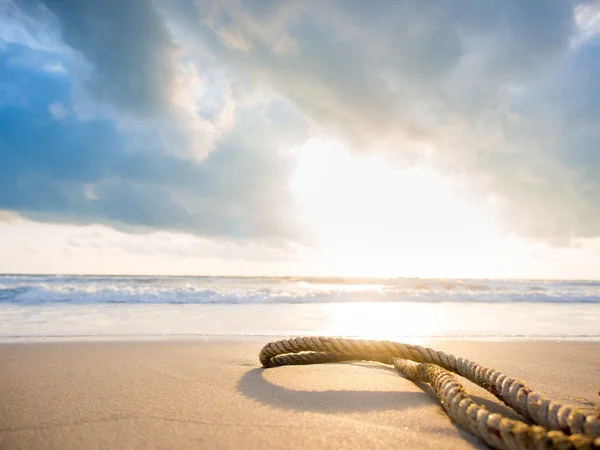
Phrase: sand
[213,394]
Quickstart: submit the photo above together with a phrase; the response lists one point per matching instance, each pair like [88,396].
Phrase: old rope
[552,425]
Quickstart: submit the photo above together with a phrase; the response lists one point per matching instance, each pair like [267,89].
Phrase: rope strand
[557,426]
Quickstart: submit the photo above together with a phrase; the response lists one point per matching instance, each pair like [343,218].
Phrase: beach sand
[213,394]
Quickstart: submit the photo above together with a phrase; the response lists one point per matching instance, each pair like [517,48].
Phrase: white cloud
[494,95]
[58,111]
[55,67]
[267,24]
[30,247]
[587,17]
[128,68]
[483,88]
[32,26]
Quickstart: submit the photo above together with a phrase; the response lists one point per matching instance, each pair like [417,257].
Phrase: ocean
[40,307]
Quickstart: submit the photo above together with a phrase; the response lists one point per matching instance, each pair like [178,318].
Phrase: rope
[555,426]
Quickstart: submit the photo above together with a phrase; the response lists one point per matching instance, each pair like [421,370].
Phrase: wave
[28,289]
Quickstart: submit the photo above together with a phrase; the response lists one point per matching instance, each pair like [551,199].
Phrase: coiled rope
[552,425]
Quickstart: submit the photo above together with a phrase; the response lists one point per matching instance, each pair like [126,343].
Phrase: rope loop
[547,424]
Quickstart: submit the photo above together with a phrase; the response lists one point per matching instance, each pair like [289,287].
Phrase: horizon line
[344,277]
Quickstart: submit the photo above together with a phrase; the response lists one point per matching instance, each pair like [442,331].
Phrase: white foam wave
[25,289]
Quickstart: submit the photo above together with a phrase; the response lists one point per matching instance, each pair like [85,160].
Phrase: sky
[327,137]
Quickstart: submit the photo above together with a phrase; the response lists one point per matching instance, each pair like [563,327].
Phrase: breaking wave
[44,289]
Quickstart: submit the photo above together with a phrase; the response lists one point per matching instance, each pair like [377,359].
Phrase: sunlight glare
[401,321]
[377,220]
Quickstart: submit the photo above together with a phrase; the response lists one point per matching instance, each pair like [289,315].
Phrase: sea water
[81,307]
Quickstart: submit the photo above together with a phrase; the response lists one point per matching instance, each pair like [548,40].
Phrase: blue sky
[249,130]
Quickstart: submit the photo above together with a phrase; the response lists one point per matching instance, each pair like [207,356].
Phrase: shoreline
[192,338]
[213,393]
[400,320]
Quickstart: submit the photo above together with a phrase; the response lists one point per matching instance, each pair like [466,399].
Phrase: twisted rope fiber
[569,428]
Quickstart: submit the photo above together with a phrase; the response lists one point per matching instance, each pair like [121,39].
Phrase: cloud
[123,156]
[366,67]
[132,56]
[128,67]
[587,16]
[8,216]
[502,95]
[183,112]
[551,171]
[28,24]
[92,173]
[173,245]
[58,111]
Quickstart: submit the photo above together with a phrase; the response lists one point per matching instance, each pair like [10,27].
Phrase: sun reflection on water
[407,321]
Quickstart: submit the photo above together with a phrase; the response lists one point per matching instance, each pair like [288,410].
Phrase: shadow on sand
[254,385]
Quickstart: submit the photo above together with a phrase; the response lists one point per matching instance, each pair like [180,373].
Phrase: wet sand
[213,394]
